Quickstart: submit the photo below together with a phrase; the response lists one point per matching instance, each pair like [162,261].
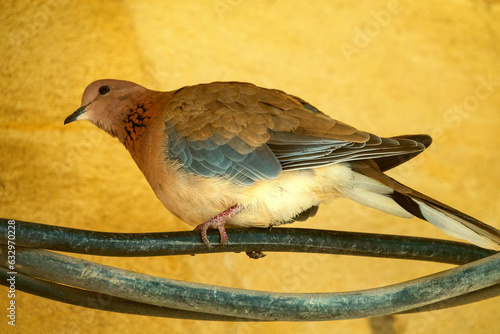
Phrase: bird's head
[106,104]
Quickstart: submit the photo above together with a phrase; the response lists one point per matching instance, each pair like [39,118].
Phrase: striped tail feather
[451,221]
[395,198]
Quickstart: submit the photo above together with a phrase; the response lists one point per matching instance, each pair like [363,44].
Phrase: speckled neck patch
[135,126]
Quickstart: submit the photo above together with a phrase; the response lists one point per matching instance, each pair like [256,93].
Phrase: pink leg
[218,222]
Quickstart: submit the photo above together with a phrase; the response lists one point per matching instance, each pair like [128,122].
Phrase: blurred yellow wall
[387,66]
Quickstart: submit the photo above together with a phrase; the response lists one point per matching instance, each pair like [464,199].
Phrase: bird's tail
[395,198]
[451,221]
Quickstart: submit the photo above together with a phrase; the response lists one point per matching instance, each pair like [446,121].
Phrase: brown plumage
[232,153]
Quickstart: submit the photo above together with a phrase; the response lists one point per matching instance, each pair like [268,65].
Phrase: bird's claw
[212,224]
[218,222]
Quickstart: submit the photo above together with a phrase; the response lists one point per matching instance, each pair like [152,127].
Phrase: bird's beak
[74,116]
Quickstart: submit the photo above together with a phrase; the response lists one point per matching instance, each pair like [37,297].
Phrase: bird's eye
[103,90]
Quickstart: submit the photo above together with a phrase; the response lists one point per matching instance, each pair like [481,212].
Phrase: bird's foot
[218,223]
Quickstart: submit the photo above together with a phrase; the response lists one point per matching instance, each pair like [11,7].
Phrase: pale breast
[196,199]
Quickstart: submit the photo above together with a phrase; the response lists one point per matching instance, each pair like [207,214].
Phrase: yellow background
[387,67]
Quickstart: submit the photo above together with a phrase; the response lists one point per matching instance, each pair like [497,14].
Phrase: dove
[232,154]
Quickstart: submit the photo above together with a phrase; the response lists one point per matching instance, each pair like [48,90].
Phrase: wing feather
[248,133]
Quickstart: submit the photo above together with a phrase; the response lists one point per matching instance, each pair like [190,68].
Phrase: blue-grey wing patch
[217,156]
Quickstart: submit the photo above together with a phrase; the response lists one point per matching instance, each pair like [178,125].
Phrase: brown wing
[251,133]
